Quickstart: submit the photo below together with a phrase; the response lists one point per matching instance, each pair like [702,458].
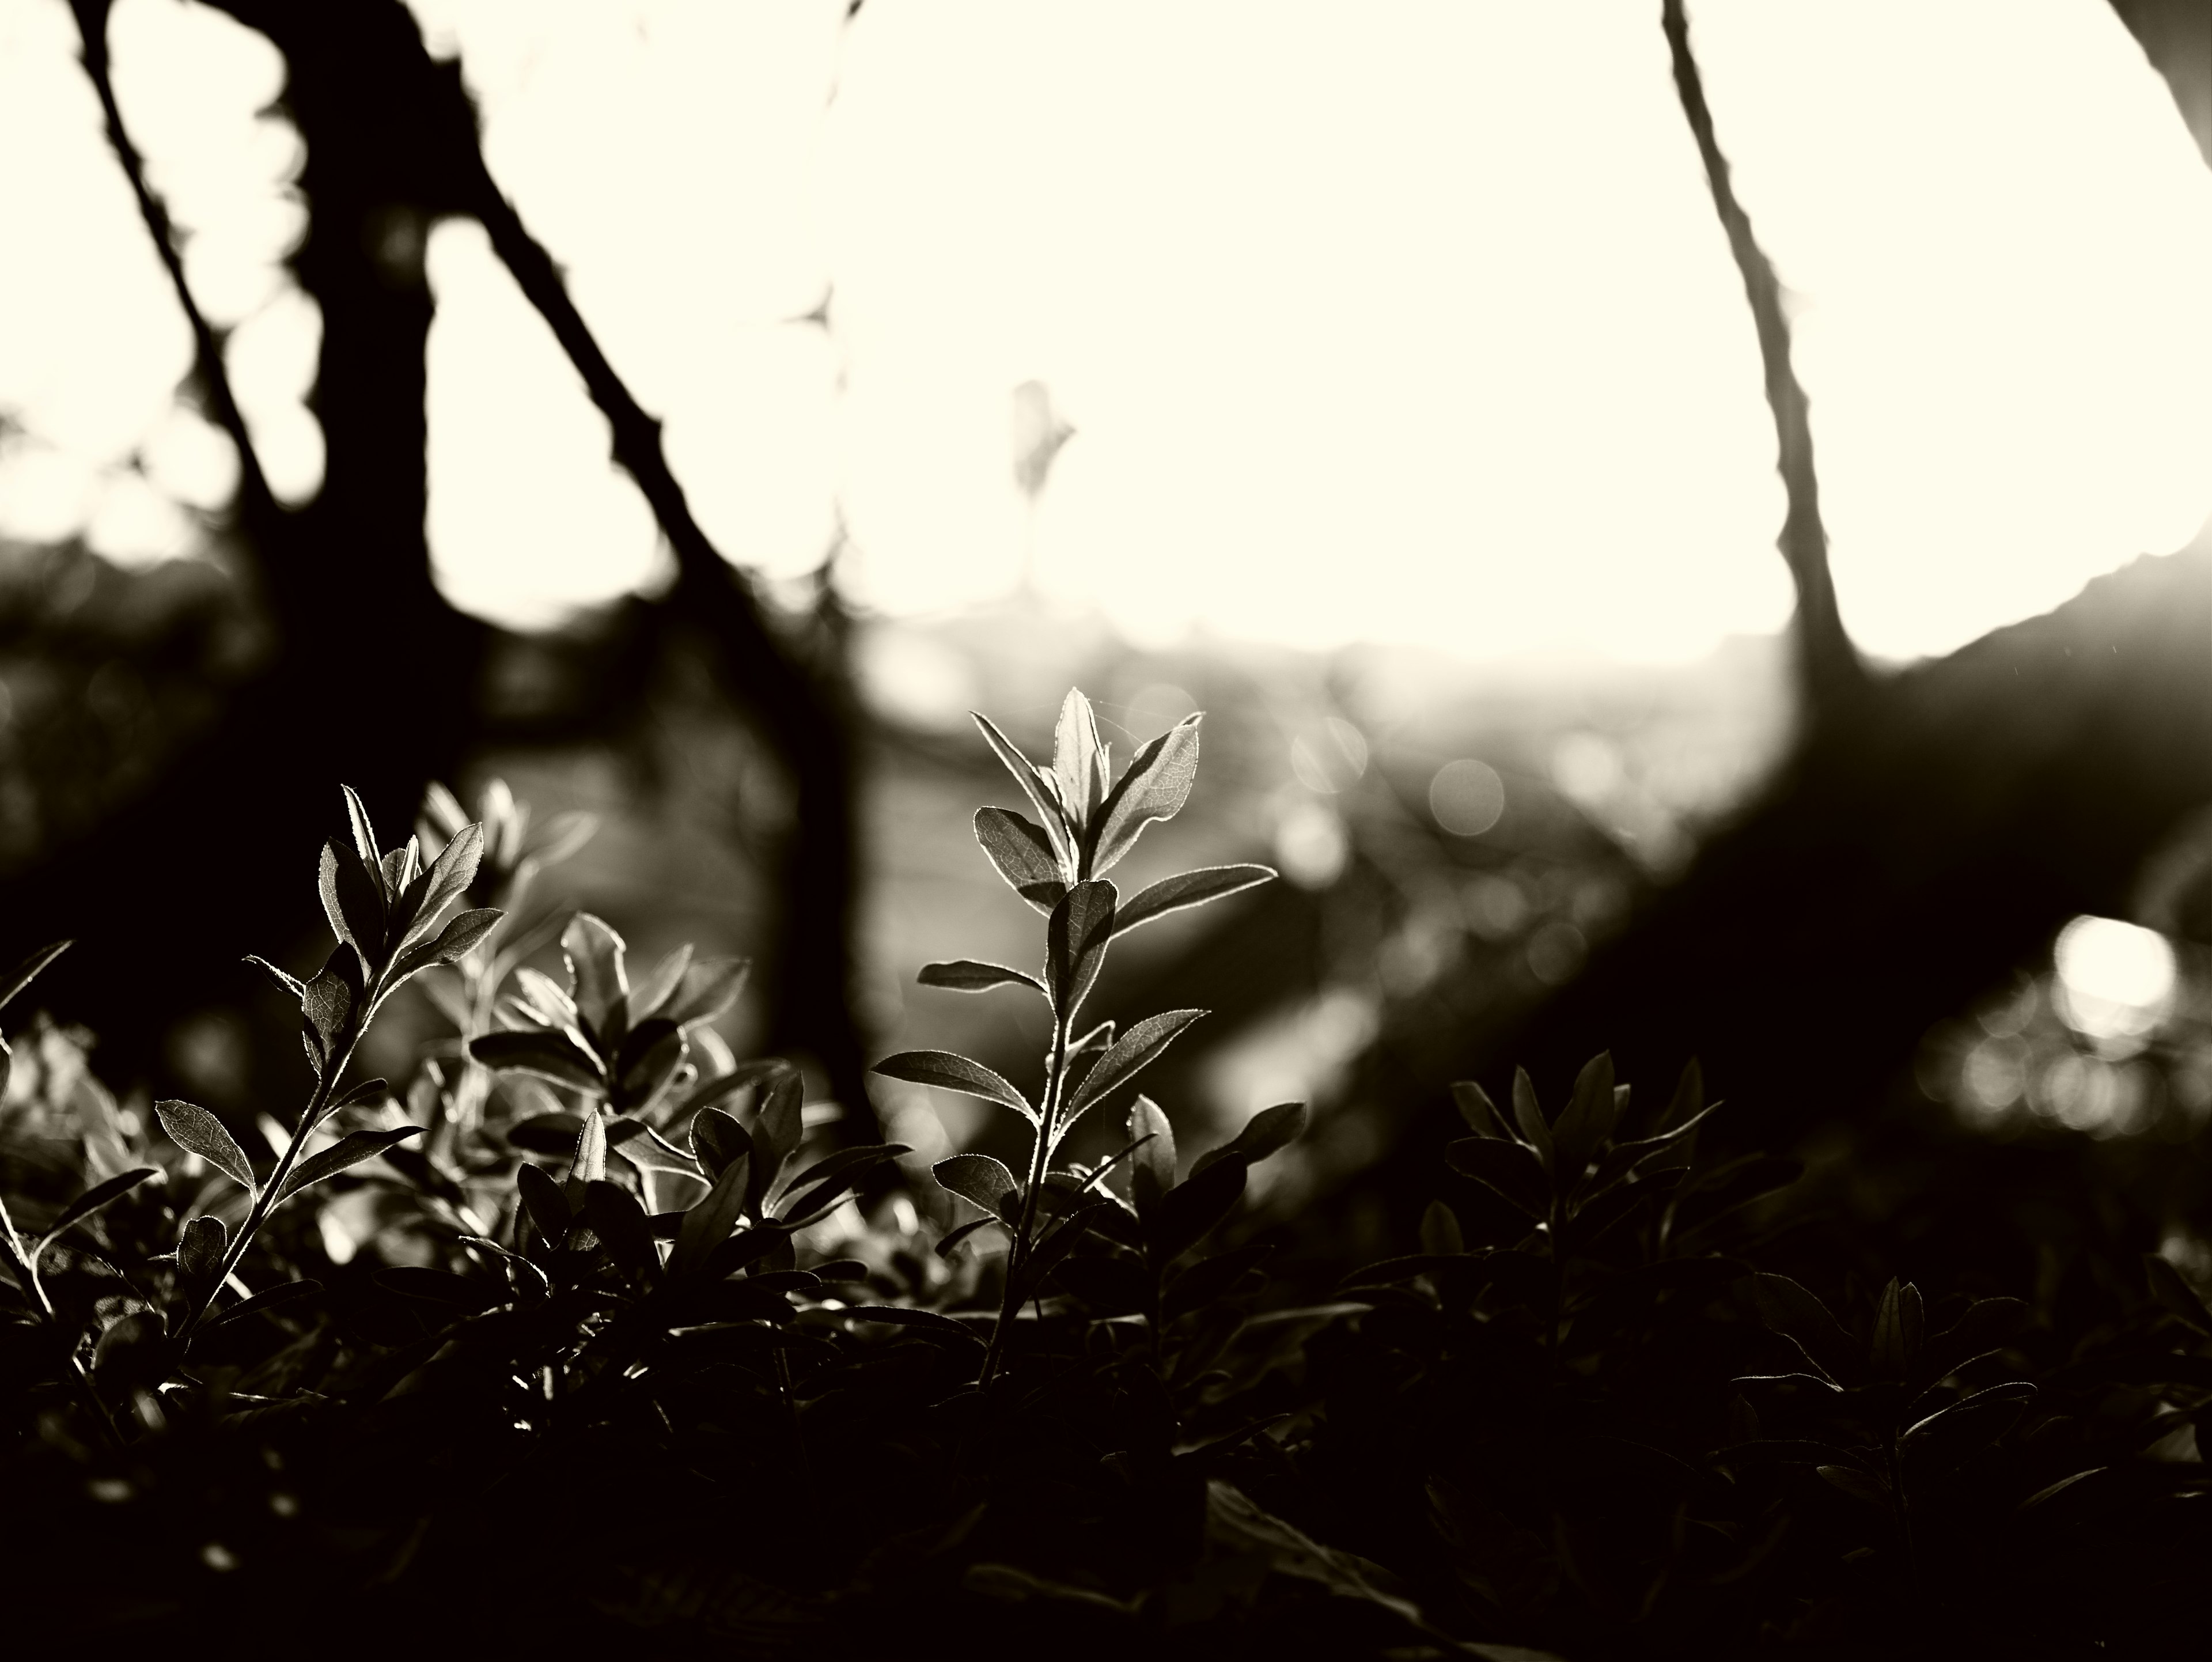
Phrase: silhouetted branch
[257,506]
[794,705]
[1828,664]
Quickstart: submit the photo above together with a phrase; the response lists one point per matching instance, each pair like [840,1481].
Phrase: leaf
[1587,1119]
[1023,854]
[594,956]
[1983,1327]
[1186,889]
[965,974]
[268,1298]
[364,834]
[978,1179]
[929,1322]
[1076,938]
[439,1287]
[2051,1491]
[541,1054]
[649,1056]
[1858,1485]
[1622,1157]
[29,970]
[1440,1232]
[647,1149]
[1898,1327]
[951,1072]
[1528,1115]
[814,1187]
[542,1198]
[285,982]
[1790,1311]
[547,1134]
[1265,1133]
[1131,1054]
[99,1194]
[708,1223]
[1039,791]
[463,934]
[1951,1436]
[330,1001]
[1509,1168]
[1209,1280]
[2175,1294]
[195,1129]
[353,900]
[1476,1108]
[952,1238]
[1188,1211]
[1688,1102]
[709,988]
[777,1130]
[200,1246]
[349,1150]
[648,994]
[1153,1167]
[718,1140]
[621,1223]
[1079,759]
[590,1165]
[1156,787]
[367,1091]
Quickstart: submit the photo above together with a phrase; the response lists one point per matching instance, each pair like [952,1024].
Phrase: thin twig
[1828,666]
[256,505]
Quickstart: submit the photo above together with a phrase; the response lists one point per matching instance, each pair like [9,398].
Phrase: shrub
[587,1334]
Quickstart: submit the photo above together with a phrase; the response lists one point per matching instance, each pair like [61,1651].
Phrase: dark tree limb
[1828,665]
[802,708]
[256,505]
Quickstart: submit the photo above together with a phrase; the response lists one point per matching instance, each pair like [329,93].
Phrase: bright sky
[1398,323]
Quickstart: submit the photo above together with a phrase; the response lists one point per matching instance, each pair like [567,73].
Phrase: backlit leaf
[951,1072]
[1509,1168]
[1132,1053]
[965,974]
[29,970]
[1152,1166]
[594,955]
[1195,888]
[540,1053]
[1267,1132]
[193,1127]
[1156,786]
[99,1194]
[1076,940]
[349,1150]
[977,1179]
[1042,795]
[1023,854]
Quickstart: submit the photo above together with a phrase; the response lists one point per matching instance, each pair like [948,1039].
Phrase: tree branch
[256,505]
[1827,665]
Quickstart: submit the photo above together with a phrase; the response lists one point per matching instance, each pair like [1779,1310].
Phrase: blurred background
[688,412]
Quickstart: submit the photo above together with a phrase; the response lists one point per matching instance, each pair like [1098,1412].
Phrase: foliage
[595,1332]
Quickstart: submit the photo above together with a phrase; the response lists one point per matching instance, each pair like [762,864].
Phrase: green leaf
[1156,787]
[1265,1133]
[332,1001]
[965,974]
[1023,854]
[2176,1295]
[1186,889]
[1188,1210]
[198,1130]
[949,1072]
[709,987]
[708,1223]
[647,1149]
[594,955]
[99,1194]
[1132,1053]
[1528,1115]
[1079,759]
[1153,1167]
[1476,1108]
[541,1054]
[284,980]
[1588,1120]
[979,1179]
[349,1150]
[29,970]
[268,1298]
[1075,944]
[1790,1311]
[542,1198]
[364,834]
[1043,795]
[777,1130]
[1509,1168]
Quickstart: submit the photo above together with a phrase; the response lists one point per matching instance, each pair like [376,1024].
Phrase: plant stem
[265,1201]
[1018,1260]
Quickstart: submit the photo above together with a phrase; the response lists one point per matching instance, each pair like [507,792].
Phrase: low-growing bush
[592,1332]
